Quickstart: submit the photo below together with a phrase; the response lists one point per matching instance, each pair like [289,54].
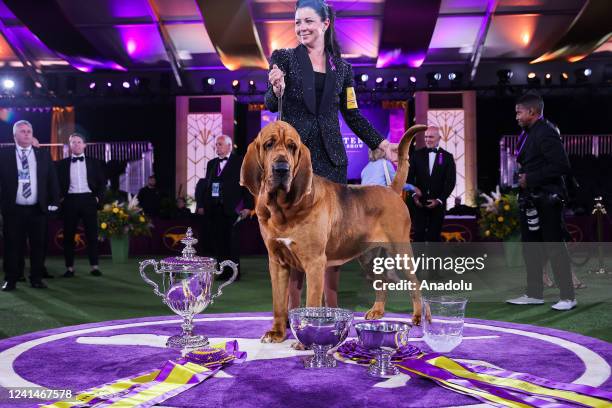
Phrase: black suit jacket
[320,131]
[232,192]
[95,177]
[543,159]
[441,182]
[46,180]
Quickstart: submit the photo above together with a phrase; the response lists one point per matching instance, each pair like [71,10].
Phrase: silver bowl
[382,337]
[321,329]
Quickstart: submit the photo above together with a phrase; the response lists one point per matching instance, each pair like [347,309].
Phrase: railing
[136,173]
[575,145]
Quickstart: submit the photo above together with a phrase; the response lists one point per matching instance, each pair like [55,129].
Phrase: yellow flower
[500,219]
[507,207]
[103,225]
[141,219]
[487,233]
[115,210]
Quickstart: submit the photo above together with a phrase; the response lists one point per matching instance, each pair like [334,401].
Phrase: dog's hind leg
[279,275]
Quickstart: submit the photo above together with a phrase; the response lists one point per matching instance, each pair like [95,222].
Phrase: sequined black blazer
[320,131]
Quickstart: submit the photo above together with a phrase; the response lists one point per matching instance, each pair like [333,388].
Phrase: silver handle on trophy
[143,266]
[230,280]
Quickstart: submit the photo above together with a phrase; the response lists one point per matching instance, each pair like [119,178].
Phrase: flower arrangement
[123,219]
[499,215]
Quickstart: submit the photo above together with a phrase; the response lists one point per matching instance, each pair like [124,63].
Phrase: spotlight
[208,84]
[548,78]
[413,79]
[126,85]
[109,84]
[364,78]
[92,85]
[379,82]
[236,85]
[456,78]
[8,84]
[393,84]
[533,79]
[582,75]
[563,78]
[504,76]
[252,86]
[433,78]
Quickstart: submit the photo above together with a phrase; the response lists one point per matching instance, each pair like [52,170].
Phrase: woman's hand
[277,79]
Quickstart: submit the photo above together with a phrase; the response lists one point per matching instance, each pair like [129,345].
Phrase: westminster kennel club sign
[261,375]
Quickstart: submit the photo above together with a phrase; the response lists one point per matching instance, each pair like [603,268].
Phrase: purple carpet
[273,375]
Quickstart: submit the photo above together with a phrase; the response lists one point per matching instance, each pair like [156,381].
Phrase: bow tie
[223,159]
[75,159]
[432,150]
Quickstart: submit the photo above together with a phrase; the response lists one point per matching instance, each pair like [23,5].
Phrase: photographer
[543,164]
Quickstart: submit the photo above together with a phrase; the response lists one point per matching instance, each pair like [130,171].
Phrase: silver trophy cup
[186,283]
[321,329]
[382,337]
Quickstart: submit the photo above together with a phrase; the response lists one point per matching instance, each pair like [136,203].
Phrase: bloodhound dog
[309,223]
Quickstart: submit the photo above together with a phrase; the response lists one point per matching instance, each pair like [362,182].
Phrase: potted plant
[499,219]
[120,221]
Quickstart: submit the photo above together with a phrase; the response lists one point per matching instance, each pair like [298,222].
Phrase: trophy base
[382,371]
[187,342]
[318,362]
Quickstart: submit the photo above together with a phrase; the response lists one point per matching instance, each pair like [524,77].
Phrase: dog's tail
[402,166]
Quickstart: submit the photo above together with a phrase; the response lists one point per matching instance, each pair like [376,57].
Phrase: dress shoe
[21,279]
[96,272]
[38,285]
[69,274]
[47,275]
[8,286]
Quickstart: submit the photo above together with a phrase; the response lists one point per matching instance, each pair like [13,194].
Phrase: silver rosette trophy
[186,287]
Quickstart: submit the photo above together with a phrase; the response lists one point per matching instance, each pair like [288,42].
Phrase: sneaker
[525,300]
[69,274]
[565,304]
[96,272]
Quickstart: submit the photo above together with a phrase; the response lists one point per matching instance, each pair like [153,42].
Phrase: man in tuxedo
[82,184]
[544,165]
[28,191]
[432,170]
[219,197]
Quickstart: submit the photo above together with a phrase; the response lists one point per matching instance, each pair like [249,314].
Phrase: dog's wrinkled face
[277,160]
[280,152]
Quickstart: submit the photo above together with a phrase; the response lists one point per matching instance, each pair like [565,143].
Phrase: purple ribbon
[331,63]
[439,158]
[354,351]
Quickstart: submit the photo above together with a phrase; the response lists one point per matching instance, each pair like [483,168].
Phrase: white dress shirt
[222,163]
[33,198]
[78,176]
[432,161]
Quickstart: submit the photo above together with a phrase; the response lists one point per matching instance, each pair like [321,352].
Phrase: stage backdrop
[391,123]
[455,114]
[199,120]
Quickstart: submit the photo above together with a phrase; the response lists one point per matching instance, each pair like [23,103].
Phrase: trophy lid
[188,259]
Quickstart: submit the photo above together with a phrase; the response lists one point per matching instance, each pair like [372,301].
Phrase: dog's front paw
[298,346]
[273,336]
[416,318]
[374,314]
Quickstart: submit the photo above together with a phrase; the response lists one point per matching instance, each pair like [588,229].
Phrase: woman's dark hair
[324,11]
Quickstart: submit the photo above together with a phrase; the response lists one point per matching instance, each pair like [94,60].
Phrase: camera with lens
[527,206]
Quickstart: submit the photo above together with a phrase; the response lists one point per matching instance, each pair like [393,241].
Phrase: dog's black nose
[280,167]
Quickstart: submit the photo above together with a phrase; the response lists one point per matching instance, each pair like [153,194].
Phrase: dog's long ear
[302,178]
[252,169]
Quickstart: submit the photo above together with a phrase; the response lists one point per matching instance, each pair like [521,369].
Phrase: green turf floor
[122,294]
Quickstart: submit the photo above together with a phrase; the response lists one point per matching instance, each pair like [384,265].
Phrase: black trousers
[220,236]
[546,244]
[427,223]
[83,207]
[24,222]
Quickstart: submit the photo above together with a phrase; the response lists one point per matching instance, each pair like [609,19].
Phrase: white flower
[491,200]
[133,203]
